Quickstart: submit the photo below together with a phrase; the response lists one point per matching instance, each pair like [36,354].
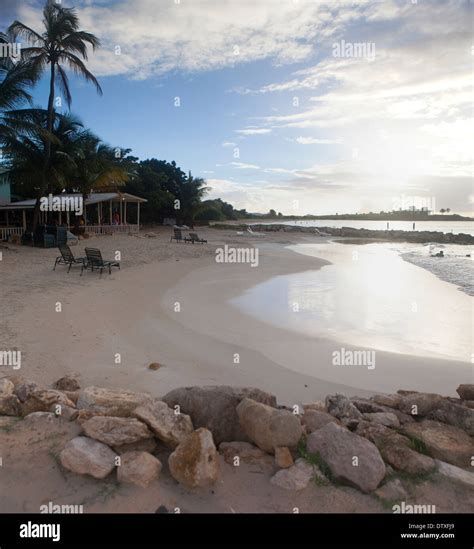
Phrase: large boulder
[443,442]
[115,431]
[339,448]
[166,424]
[24,388]
[420,404]
[314,420]
[195,462]
[139,468]
[269,427]
[297,477]
[466,391]
[86,456]
[110,402]
[454,414]
[214,407]
[396,451]
[45,400]
[9,405]
[455,474]
[392,401]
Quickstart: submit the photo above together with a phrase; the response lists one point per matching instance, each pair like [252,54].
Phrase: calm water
[454,227]
[369,297]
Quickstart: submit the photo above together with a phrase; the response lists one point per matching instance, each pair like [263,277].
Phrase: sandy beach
[133,313]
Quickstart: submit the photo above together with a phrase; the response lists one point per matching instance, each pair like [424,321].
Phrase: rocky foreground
[380,445]
[420,237]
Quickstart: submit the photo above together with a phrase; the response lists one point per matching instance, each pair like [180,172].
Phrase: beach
[173,304]
[132,313]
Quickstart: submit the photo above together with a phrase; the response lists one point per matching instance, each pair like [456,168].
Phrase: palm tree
[61,45]
[190,193]
[15,79]
[97,167]
[25,146]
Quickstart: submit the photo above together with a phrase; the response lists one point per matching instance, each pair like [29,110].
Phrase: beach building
[100,213]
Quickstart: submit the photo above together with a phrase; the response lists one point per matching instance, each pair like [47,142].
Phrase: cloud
[243,166]
[254,131]
[229,144]
[315,141]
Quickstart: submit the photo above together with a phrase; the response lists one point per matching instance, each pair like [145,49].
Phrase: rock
[338,447]
[43,418]
[139,468]
[214,407]
[24,389]
[243,450]
[115,431]
[366,406]
[297,477]
[9,405]
[269,427]
[66,412]
[85,415]
[6,387]
[73,395]
[454,414]
[375,432]
[392,490]
[314,419]
[392,401]
[383,418]
[167,425]
[319,406]
[455,474]
[466,391]
[420,404]
[443,442]
[67,383]
[395,450]
[342,408]
[155,366]
[195,461]
[43,400]
[86,456]
[469,404]
[8,422]
[283,457]
[111,403]
[146,445]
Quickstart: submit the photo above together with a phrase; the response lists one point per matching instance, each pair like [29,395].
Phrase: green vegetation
[317,460]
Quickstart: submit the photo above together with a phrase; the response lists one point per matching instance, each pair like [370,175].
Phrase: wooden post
[110,211]
[85,215]
[60,216]
[24,220]
[125,213]
[121,212]
[67,219]
[138,216]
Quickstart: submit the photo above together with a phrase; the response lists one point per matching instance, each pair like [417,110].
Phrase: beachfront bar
[103,213]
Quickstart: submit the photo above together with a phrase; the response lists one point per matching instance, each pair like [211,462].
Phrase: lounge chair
[178,236]
[94,259]
[67,258]
[195,238]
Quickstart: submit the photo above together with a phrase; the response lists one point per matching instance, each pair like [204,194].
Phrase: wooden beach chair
[94,259]
[178,236]
[195,238]
[67,258]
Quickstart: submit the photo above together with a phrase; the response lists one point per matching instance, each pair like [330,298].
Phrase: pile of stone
[350,232]
[352,441]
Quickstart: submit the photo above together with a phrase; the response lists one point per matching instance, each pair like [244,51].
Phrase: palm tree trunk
[47,157]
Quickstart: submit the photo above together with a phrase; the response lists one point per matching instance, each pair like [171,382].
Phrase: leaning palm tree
[61,45]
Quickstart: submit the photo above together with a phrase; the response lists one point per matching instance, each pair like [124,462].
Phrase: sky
[303,106]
